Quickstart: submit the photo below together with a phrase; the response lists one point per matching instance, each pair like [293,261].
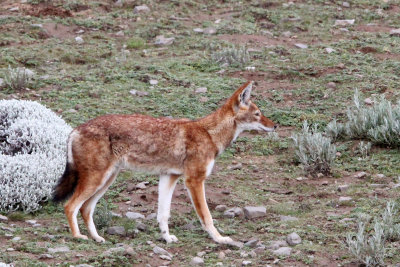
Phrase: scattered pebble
[79,40]
[197,261]
[45,256]
[283,251]
[161,40]
[160,251]
[346,4]
[17,238]
[274,245]
[368,101]
[343,188]
[3,218]
[116,230]
[254,212]
[210,31]
[331,85]
[329,50]
[221,255]
[189,226]
[141,185]
[153,82]
[293,239]
[395,32]
[344,22]
[61,249]
[234,212]
[201,90]
[284,218]
[14,9]
[360,175]
[380,176]
[198,30]
[344,199]
[165,257]
[287,34]
[37,26]
[134,215]
[219,208]
[201,253]
[252,243]
[245,263]
[237,166]
[141,9]
[120,33]
[301,46]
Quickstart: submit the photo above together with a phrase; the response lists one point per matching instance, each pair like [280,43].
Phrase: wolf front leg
[166,188]
[195,186]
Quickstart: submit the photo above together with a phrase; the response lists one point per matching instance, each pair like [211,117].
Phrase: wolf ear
[244,96]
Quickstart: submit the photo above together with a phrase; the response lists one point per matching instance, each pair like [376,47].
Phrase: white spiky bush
[314,151]
[32,154]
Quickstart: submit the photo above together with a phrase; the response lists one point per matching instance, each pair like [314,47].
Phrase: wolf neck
[221,126]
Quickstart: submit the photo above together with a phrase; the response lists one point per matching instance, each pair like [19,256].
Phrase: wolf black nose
[275,126]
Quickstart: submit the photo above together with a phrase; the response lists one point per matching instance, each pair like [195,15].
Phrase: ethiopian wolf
[101,147]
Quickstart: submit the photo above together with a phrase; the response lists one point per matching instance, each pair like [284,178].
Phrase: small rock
[260,250]
[3,218]
[251,243]
[117,251]
[80,31]
[324,183]
[293,239]
[219,208]
[395,32]
[201,254]
[14,9]
[251,68]
[120,33]
[210,31]
[344,199]
[360,175]
[48,237]
[245,263]
[198,30]
[79,40]
[344,22]
[141,185]
[343,188]
[301,178]
[153,82]
[338,154]
[287,34]
[161,40]
[45,256]
[254,212]
[283,251]
[141,9]
[141,226]
[119,3]
[217,21]
[130,251]
[197,261]
[284,218]
[301,46]
[160,251]
[378,176]
[344,220]
[72,110]
[329,50]
[201,90]
[368,101]
[17,238]
[116,230]
[134,215]
[142,93]
[37,25]
[346,4]
[165,257]
[237,166]
[233,212]
[78,106]
[189,226]
[10,249]
[331,85]
[221,255]
[58,250]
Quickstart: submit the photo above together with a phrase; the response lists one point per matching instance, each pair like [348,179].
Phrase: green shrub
[135,43]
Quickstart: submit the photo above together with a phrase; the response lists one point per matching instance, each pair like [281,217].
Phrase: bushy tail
[66,185]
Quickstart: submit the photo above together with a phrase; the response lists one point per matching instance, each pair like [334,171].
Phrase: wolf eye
[257,113]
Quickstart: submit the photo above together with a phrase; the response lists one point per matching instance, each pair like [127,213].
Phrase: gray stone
[62,249]
[3,218]
[151,216]
[284,218]
[395,32]
[46,256]
[344,22]
[245,263]
[210,31]
[287,34]
[153,82]
[301,46]
[293,239]
[201,90]
[165,257]
[198,30]
[360,175]
[37,25]
[189,226]
[368,101]
[141,226]
[142,185]
[197,261]
[134,215]
[161,40]
[274,245]
[254,212]
[329,50]
[343,188]
[79,40]
[14,9]
[160,251]
[260,250]
[283,251]
[219,208]
[346,4]
[114,214]
[252,243]
[221,255]
[116,230]
[344,199]
[237,166]
[380,176]
[120,33]
[141,9]
[17,238]
[116,251]
[234,212]
[201,254]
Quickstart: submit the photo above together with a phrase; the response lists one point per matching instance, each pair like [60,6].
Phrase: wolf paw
[170,238]
[81,236]
[99,239]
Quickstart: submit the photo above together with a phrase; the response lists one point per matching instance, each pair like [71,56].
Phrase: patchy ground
[297,78]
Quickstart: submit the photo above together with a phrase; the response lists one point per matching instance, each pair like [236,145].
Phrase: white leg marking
[75,221]
[165,190]
[210,167]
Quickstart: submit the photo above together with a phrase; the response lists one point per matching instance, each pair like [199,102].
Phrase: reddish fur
[155,144]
